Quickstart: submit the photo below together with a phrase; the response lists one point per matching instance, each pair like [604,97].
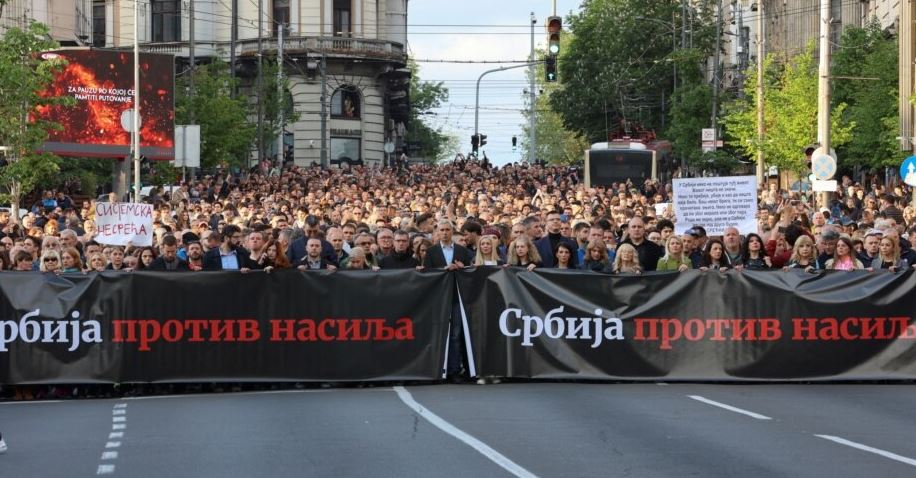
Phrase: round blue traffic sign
[908,171]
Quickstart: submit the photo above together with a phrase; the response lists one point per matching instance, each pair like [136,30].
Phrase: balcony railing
[333,46]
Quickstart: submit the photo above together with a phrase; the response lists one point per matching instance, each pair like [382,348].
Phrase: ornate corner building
[345,61]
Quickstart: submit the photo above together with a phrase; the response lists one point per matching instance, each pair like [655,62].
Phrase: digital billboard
[102,83]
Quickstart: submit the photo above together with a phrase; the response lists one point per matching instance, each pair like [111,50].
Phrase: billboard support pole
[136,115]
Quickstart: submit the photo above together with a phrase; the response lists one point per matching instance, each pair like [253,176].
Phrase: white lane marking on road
[472,442]
[113,444]
[109,455]
[119,419]
[105,470]
[118,426]
[114,435]
[729,407]
[119,411]
[120,405]
[877,451]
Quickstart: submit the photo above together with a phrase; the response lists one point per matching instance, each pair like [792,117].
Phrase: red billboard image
[102,83]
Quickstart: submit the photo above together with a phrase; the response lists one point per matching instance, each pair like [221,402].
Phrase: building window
[345,150]
[281,15]
[342,22]
[345,103]
[166,20]
[98,24]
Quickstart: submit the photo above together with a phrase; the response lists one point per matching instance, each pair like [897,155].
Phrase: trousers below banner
[763,325]
[222,326]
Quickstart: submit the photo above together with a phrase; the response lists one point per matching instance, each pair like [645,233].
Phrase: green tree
[226,135]
[620,59]
[868,53]
[556,144]
[790,119]
[425,96]
[24,77]
[690,113]
[270,123]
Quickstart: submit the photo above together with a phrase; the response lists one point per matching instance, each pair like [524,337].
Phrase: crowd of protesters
[461,214]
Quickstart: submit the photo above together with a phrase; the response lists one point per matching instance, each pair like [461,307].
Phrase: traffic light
[554,27]
[514,143]
[550,69]
[475,142]
[482,138]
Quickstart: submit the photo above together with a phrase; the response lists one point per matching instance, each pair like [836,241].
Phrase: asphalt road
[530,429]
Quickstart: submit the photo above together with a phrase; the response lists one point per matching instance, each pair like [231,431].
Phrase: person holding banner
[844,258]
[50,262]
[116,260]
[627,260]
[754,255]
[674,259]
[803,256]
[168,260]
[714,258]
[888,256]
[648,252]
[522,253]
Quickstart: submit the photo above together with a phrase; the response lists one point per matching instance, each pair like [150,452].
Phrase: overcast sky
[493,30]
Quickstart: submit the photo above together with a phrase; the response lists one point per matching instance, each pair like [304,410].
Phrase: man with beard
[168,260]
[195,256]
[313,259]
[401,258]
[336,237]
[229,255]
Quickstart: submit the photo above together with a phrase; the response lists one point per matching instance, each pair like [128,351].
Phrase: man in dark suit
[169,261]
[297,250]
[446,254]
[229,255]
[547,244]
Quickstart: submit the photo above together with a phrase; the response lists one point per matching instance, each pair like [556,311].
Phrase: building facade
[344,60]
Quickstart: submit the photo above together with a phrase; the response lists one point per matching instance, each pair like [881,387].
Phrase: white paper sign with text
[716,203]
[121,223]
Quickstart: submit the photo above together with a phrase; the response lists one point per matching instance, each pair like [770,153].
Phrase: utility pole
[260,83]
[715,72]
[823,88]
[761,128]
[192,61]
[136,115]
[280,97]
[233,38]
[324,110]
[532,146]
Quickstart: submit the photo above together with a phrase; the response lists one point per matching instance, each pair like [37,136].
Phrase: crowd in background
[460,214]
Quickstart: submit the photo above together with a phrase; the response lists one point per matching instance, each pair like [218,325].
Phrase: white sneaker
[2,446]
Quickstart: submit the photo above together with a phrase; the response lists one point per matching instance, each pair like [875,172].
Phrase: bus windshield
[607,166]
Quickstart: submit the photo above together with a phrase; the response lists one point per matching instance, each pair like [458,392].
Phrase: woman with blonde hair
[50,262]
[596,257]
[487,253]
[888,256]
[803,255]
[627,260]
[674,259]
[96,263]
[522,253]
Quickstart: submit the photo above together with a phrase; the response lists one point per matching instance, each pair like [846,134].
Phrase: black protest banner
[761,325]
[223,326]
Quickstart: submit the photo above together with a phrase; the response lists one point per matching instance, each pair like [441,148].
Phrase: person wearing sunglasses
[50,261]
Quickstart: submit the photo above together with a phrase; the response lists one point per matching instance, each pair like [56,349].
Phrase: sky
[476,30]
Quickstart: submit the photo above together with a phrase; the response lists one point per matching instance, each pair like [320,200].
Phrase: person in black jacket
[168,260]
[401,258]
[445,254]
[548,244]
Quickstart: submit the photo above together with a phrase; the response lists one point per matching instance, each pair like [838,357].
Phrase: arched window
[345,103]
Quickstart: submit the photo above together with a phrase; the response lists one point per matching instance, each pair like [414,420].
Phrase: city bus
[618,160]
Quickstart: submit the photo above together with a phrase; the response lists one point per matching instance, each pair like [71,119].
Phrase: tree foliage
[620,60]
[868,53]
[24,78]
[226,134]
[556,144]
[790,118]
[425,96]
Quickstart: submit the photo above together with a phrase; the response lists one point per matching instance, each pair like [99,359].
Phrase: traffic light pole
[477,95]
[532,132]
